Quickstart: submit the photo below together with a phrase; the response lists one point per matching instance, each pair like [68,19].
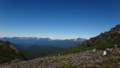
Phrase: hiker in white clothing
[104,53]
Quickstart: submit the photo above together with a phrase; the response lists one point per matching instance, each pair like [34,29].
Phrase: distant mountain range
[32,47]
[27,41]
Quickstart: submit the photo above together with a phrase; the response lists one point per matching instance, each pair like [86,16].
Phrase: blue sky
[57,19]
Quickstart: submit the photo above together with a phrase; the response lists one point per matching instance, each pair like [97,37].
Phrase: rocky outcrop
[15,49]
[112,34]
[116,29]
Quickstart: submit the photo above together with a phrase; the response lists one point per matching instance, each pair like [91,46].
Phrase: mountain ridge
[27,41]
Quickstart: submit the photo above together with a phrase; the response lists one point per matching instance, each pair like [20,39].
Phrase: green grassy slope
[35,51]
[6,53]
[102,41]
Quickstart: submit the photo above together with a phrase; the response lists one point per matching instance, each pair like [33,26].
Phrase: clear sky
[57,19]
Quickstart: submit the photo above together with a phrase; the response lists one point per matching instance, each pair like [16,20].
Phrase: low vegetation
[83,59]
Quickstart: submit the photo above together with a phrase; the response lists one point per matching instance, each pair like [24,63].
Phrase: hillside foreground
[79,60]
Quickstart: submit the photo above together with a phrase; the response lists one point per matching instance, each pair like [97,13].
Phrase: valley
[79,56]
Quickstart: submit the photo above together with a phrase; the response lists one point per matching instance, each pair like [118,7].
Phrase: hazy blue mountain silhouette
[27,41]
